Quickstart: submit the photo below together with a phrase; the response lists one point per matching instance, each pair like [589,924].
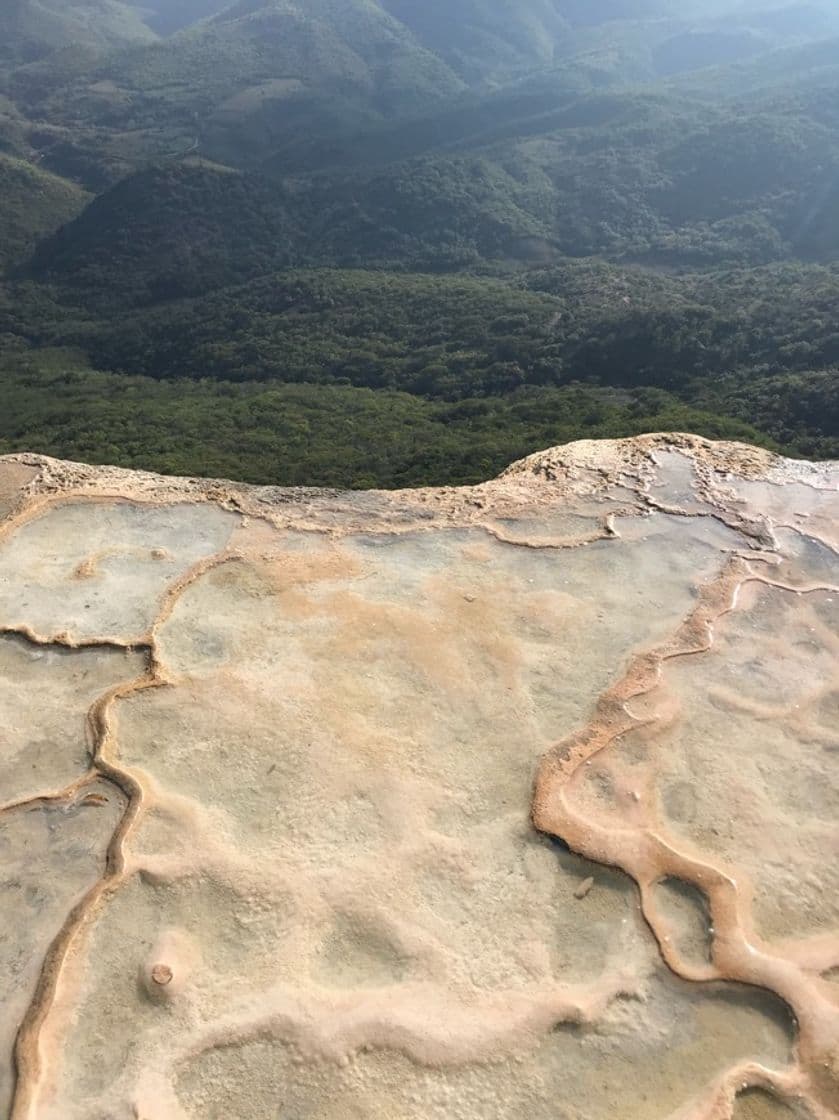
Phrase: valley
[472,214]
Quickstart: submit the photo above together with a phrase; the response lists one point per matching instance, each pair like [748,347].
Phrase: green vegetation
[311,435]
[627,178]
[30,29]
[360,242]
[35,203]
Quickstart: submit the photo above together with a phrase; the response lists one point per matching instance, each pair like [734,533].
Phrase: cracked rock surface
[512,801]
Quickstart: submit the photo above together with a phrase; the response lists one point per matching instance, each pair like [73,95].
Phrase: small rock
[584,889]
[162,974]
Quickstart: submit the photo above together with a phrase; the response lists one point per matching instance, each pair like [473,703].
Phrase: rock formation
[515,801]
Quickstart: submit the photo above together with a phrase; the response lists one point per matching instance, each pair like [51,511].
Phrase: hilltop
[32,29]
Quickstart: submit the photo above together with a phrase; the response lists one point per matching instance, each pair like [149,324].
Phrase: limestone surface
[513,801]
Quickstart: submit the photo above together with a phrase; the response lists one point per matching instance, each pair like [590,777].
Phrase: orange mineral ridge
[511,801]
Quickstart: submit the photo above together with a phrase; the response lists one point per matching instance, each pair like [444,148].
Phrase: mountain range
[162,163]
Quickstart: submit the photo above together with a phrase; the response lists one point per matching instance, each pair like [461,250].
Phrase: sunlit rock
[511,801]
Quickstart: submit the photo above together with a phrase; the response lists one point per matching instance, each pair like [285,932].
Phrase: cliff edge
[517,800]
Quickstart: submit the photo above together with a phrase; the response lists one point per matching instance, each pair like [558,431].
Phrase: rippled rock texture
[518,801]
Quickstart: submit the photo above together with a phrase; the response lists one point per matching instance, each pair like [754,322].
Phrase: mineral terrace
[517,802]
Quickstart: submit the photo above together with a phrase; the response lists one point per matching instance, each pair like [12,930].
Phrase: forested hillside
[35,204]
[33,29]
[373,242]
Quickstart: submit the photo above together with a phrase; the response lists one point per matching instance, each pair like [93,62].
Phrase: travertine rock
[517,801]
